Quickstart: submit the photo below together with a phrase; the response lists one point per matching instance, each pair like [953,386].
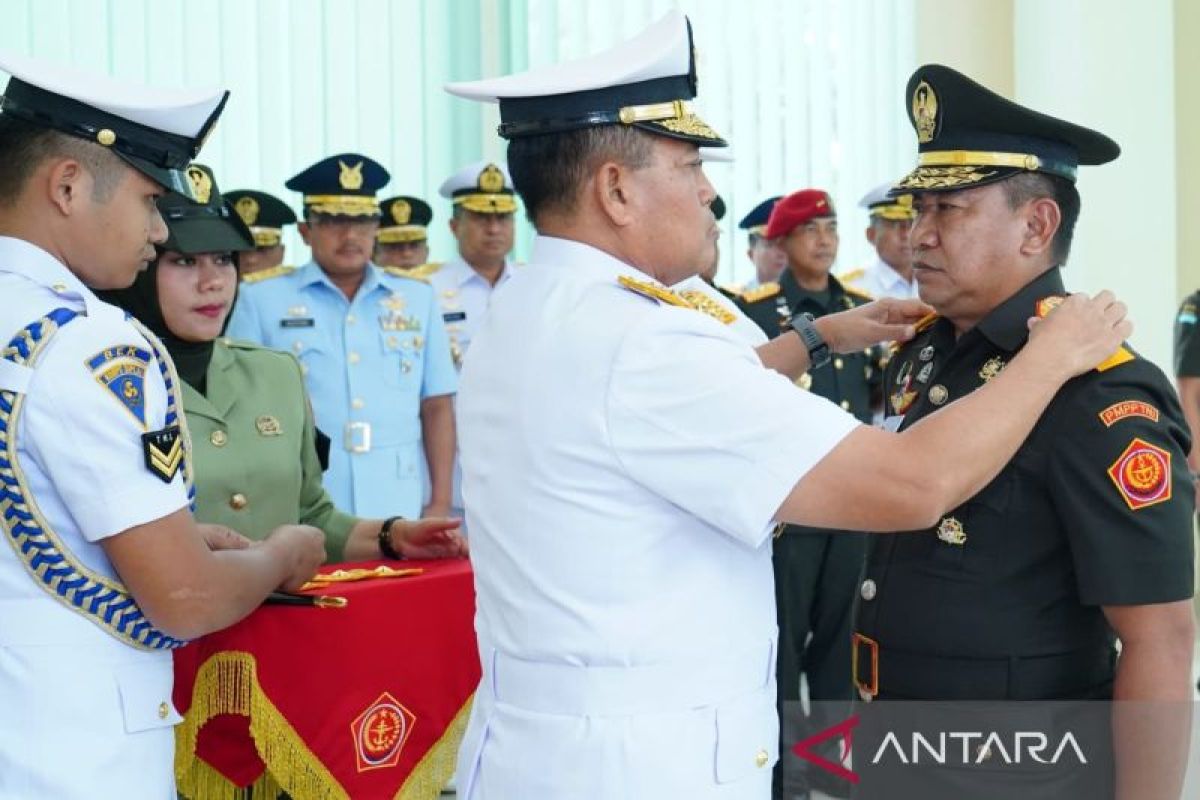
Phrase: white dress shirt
[623,459]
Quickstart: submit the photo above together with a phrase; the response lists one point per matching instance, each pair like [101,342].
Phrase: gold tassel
[434,770]
[227,683]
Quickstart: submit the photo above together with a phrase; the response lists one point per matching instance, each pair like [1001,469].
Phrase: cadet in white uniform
[620,497]
[103,571]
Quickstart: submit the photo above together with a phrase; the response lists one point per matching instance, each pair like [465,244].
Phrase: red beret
[798,208]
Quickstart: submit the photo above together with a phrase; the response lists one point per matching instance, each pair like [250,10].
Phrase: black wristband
[818,349]
[385,539]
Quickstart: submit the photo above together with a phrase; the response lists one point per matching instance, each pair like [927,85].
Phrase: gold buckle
[357,437]
[869,689]
[652,112]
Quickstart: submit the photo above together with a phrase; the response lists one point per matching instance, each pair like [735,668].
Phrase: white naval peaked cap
[481,186]
[157,131]
[645,82]
[881,203]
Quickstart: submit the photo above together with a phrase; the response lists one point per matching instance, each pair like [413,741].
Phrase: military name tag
[292,322]
[454,316]
[163,451]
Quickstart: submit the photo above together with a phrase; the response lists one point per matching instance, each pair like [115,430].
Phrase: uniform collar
[795,293]
[459,272]
[311,274]
[25,258]
[582,260]
[1006,325]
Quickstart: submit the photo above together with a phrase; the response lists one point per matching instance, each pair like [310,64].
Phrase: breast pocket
[314,353]
[403,355]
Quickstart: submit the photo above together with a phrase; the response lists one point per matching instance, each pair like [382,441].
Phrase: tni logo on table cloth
[380,733]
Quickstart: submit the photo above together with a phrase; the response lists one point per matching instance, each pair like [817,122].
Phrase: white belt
[558,688]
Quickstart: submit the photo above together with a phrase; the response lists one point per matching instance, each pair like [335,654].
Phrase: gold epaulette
[761,292]
[705,304]
[421,272]
[859,293]
[925,321]
[653,291]
[852,275]
[1122,356]
[270,272]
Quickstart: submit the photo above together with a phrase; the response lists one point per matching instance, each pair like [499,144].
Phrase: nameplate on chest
[292,322]
[454,316]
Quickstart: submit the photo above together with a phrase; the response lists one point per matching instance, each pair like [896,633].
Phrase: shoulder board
[653,291]
[852,275]
[859,293]
[242,344]
[924,322]
[1122,356]
[412,273]
[761,292]
[705,304]
[266,274]
[733,288]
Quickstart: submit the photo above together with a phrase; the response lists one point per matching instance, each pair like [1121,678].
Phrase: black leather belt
[888,673]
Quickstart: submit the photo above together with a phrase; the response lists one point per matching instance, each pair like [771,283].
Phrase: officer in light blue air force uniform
[371,342]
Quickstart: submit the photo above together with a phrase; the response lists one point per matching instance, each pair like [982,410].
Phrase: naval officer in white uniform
[103,570]
[619,494]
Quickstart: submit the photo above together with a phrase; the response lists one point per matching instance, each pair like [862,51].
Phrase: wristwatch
[385,539]
[818,350]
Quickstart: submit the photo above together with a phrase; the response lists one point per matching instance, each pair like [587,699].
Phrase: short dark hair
[1026,186]
[26,146]
[547,170]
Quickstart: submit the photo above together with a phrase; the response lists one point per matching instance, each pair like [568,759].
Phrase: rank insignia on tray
[122,371]
[163,450]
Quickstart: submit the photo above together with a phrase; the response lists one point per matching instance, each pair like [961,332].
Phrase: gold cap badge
[350,178]
[201,184]
[401,212]
[247,209]
[925,111]
[491,180]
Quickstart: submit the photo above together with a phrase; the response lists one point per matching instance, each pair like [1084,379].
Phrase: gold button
[238,501]
[106,137]
[354,358]
[761,759]
[938,394]
[218,438]
[357,403]
[59,288]
[846,404]
[351,319]
[163,710]
[837,363]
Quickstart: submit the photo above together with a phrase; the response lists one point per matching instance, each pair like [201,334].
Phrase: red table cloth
[366,701]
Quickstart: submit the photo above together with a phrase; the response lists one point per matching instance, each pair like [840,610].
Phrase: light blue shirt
[368,362]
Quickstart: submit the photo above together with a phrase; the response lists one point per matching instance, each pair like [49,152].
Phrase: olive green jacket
[254,447]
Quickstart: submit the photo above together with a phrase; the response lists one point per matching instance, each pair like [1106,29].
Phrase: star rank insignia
[163,451]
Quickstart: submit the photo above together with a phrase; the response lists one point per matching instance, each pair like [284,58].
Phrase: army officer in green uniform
[247,410]
[816,571]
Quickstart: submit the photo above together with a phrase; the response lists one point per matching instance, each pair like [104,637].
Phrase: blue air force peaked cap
[341,186]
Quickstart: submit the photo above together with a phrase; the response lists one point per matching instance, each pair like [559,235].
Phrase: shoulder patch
[1142,474]
[761,292]
[122,371]
[267,274]
[705,304]
[1128,408]
[653,291]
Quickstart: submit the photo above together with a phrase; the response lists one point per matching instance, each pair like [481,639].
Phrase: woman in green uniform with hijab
[251,424]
